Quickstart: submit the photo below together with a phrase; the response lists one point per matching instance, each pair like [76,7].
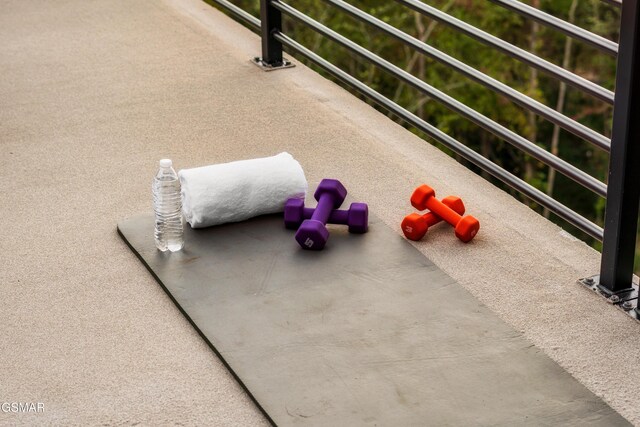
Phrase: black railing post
[271,20]
[623,196]
[270,24]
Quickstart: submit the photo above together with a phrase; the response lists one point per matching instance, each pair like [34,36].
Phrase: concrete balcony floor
[93,93]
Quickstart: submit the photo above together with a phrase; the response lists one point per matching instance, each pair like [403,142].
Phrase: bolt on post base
[626,300]
[265,66]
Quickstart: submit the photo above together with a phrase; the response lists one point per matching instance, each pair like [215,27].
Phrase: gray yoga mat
[366,332]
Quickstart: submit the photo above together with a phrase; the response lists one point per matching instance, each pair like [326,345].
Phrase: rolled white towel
[236,191]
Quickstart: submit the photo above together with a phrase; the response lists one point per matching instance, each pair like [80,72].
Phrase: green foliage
[584,60]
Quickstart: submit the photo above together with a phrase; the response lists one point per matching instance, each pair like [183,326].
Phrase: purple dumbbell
[313,233]
[357,217]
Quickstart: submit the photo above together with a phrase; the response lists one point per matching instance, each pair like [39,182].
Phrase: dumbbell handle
[452,202]
[324,208]
[431,219]
[443,211]
[337,216]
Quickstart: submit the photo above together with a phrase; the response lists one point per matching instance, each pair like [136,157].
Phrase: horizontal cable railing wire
[525,101]
[486,123]
[507,48]
[617,3]
[238,12]
[483,163]
[606,46]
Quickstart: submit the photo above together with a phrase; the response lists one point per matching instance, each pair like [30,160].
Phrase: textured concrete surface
[93,93]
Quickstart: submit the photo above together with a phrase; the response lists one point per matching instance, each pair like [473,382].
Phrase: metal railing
[623,190]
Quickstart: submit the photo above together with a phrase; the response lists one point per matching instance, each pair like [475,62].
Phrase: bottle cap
[165,163]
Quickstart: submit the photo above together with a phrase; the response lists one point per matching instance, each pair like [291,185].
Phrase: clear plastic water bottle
[169,233]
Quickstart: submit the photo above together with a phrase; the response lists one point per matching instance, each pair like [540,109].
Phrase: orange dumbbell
[466,227]
[415,225]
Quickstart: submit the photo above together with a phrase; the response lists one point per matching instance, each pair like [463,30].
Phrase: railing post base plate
[264,66]
[626,300]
